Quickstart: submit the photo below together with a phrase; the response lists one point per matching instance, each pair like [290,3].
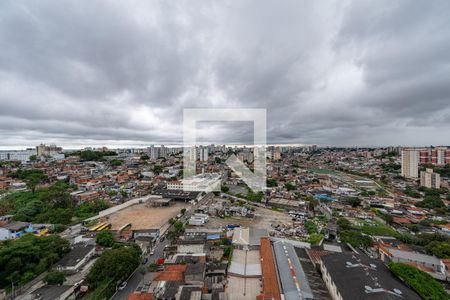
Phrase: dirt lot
[263,219]
[143,217]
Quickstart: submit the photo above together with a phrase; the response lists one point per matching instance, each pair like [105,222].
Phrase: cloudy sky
[338,72]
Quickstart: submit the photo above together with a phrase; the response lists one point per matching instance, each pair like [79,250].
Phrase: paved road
[135,279]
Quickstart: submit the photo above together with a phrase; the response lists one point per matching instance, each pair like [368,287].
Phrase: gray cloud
[328,72]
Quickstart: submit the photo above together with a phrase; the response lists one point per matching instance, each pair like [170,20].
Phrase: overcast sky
[338,72]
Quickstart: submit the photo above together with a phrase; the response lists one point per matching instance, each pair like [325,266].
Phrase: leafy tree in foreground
[425,285]
[105,239]
[112,267]
[54,278]
[26,257]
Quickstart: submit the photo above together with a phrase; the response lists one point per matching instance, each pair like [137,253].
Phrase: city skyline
[332,73]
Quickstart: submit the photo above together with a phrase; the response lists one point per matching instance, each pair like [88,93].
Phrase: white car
[122,285]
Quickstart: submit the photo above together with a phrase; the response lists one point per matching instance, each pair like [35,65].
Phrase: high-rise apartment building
[203,153]
[430,179]
[410,163]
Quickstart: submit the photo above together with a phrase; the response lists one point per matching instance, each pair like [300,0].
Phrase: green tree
[343,224]
[431,201]
[157,169]
[89,155]
[271,182]
[311,227]
[438,249]
[354,201]
[425,285]
[33,178]
[116,162]
[411,193]
[54,278]
[289,186]
[105,239]
[24,258]
[355,238]
[113,266]
[388,218]
[89,209]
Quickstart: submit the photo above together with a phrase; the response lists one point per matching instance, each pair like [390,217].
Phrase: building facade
[410,163]
[430,179]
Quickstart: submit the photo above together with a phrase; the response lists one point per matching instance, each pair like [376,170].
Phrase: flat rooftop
[243,288]
[245,263]
[360,277]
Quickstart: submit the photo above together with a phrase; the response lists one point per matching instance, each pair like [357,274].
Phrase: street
[136,277]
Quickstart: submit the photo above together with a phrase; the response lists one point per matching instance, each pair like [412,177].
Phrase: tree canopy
[32,177]
[438,249]
[425,285]
[26,257]
[47,205]
[54,278]
[113,267]
[105,239]
[89,155]
[355,238]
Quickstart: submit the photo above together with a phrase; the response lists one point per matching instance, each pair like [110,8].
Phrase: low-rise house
[76,258]
[430,264]
[195,274]
[152,233]
[15,229]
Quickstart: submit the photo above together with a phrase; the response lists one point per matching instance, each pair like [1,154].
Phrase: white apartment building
[203,154]
[203,182]
[20,155]
[410,163]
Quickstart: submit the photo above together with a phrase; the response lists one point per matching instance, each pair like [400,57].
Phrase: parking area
[263,218]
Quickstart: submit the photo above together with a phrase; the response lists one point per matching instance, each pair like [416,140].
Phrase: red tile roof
[269,273]
[172,273]
[140,296]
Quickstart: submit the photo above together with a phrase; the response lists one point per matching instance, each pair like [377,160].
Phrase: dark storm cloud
[328,72]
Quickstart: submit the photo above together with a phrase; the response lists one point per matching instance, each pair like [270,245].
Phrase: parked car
[160,268]
[122,286]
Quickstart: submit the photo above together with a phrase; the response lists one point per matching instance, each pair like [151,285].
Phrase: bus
[94,228]
[104,227]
